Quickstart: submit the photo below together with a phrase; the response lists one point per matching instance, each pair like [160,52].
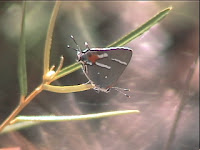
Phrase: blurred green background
[156,74]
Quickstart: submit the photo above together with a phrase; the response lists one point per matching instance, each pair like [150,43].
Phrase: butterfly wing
[106,70]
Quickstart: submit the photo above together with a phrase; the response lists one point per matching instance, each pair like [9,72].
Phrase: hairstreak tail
[103,66]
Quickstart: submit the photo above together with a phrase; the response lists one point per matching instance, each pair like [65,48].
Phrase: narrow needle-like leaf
[142,29]
[75,117]
[22,75]
[49,37]
[67,89]
[18,126]
[22,122]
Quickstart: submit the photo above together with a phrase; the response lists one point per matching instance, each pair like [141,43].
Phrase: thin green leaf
[22,75]
[142,29]
[72,118]
[18,126]
[67,70]
[49,38]
[67,89]
[22,122]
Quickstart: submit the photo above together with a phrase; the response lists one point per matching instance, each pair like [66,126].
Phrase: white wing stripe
[119,61]
[102,65]
[103,55]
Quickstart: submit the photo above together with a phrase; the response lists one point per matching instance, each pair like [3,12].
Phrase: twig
[184,96]
[21,105]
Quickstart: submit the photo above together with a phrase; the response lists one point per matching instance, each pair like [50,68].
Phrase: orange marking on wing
[93,58]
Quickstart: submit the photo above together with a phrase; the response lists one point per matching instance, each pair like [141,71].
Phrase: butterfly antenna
[121,91]
[76,43]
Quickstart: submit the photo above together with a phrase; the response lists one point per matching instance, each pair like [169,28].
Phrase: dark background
[156,75]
